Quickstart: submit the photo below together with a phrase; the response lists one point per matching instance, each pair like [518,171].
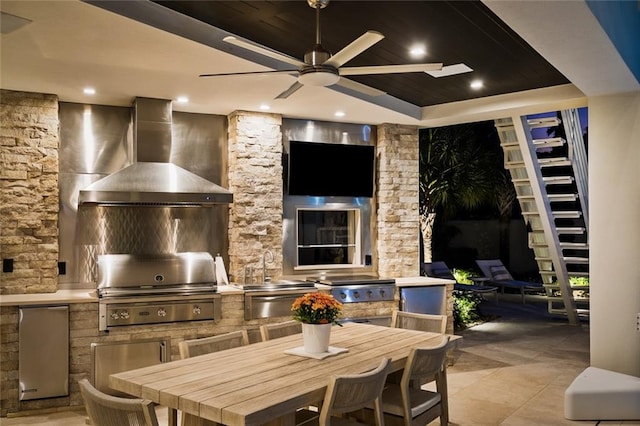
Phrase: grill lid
[156,271]
[353,280]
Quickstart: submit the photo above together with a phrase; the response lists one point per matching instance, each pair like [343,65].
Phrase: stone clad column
[397,201]
[29,202]
[255,178]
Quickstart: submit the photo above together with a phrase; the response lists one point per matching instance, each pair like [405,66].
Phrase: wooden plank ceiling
[453,32]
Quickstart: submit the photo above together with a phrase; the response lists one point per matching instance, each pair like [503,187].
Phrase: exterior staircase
[550,178]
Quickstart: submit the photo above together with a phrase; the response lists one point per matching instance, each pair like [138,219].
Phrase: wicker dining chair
[420,322]
[108,410]
[206,345]
[350,393]
[408,403]
[280,329]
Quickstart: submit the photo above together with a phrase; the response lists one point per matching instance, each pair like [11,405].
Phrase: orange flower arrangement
[316,308]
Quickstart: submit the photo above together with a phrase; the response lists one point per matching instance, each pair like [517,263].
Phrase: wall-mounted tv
[328,169]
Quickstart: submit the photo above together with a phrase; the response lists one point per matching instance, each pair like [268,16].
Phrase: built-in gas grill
[139,289]
[368,294]
[359,288]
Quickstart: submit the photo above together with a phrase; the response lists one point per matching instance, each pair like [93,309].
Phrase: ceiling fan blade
[290,72]
[390,69]
[293,88]
[355,48]
[245,44]
[359,87]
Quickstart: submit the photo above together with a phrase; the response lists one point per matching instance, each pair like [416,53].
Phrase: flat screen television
[331,170]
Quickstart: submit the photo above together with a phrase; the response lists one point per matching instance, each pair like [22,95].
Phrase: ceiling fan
[320,68]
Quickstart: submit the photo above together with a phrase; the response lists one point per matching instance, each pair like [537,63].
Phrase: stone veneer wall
[29,202]
[397,201]
[255,178]
[397,206]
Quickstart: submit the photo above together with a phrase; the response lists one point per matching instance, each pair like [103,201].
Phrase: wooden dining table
[260,383]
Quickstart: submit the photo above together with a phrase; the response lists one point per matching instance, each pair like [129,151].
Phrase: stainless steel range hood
[152,179]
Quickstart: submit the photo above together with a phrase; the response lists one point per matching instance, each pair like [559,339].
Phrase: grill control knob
[162,312]
[342,295]
[196,310]
[382,293]
[356,295]
[124,315]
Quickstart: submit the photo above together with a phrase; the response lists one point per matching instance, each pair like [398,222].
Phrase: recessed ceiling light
[265,107]
[417,51]
[476,84]
[89,91]
[339,114]
[182,99]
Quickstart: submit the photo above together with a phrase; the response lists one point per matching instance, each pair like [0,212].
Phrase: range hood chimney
[152,179]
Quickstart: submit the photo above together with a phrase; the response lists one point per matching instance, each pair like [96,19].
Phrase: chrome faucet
[266,254]
[248,270]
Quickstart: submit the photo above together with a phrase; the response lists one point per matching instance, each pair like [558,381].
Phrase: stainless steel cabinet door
[43,352]
[111,358]
[424,300]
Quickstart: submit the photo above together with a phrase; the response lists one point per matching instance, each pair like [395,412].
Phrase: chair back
[424,363]
[494,269]
[420,322]
[206,345]
[108,410]
[347,393]
[280,329]
[437,270]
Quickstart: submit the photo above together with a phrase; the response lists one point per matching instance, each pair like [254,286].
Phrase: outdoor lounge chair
[441,270]
[497,274]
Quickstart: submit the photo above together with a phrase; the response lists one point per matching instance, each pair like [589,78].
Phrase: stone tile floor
[510,371]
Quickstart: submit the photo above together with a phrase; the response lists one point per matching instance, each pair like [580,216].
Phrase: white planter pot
[315,337]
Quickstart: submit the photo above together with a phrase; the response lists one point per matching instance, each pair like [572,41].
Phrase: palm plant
[457,171]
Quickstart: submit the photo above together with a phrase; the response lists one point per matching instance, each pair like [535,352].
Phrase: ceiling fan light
[318,78]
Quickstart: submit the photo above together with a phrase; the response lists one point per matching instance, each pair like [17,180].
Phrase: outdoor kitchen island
[84,335]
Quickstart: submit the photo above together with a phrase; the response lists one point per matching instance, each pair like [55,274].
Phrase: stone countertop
[422,281]
[73,296]
[57,298]
[89,295]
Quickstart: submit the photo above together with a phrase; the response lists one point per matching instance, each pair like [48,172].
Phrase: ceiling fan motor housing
[320,75]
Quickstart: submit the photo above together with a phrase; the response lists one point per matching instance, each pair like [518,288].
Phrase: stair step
[559,198]
[579,273]
[558,180]
[575,260]
[548,142]
[567,215]
[574,230]
[554,162]
[536,123]
[548,273]
[575,246]
[511,145]
[554,198]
